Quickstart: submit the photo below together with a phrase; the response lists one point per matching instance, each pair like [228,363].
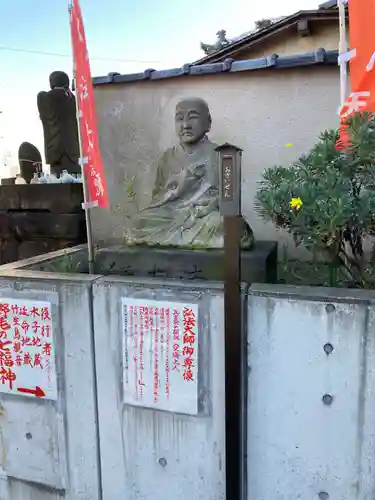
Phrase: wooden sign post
[230,209]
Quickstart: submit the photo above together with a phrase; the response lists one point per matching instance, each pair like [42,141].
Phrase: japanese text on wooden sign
[160,355]
[27,357]
[228,178]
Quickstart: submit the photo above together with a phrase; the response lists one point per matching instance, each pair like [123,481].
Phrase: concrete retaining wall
[49,448]
[160,454]
[310,395]
[311,385]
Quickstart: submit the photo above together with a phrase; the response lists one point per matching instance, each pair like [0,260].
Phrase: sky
[123,35]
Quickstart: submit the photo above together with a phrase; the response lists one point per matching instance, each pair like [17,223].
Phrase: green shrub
[326,200]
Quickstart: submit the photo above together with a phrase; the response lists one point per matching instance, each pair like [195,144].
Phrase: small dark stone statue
[57,111]
[30,161]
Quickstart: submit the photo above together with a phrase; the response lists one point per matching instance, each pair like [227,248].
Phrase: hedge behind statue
[326,200]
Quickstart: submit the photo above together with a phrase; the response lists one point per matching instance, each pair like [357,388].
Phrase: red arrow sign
[38,392]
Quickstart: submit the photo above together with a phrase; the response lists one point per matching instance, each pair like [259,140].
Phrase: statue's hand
[204,209]
[200,212]
[173,190]
[175,184]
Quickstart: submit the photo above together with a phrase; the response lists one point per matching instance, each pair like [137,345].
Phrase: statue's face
[192,121]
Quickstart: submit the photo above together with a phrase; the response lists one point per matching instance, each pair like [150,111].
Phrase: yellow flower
[296,203]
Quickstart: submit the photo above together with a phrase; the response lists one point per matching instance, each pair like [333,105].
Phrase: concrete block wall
[49,449]
[152,454]
[310,409]
[311,385]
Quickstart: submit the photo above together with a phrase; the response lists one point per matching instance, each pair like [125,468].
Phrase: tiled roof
[320,57]
[256,38]
[329,4]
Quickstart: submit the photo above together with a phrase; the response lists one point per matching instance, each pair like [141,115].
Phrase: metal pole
[343,48]
[233,354]
[86,193]
[230,209]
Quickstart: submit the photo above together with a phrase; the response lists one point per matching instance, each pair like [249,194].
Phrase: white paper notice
[27,352]
[160,355]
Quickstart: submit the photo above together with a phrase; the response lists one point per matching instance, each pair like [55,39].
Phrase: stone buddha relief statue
[184,211]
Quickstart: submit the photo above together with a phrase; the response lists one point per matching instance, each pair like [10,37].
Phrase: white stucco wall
[259,111]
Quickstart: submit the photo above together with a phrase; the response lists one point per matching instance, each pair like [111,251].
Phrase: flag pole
[86,193]
[343,49]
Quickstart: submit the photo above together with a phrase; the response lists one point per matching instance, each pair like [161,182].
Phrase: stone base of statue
[8,181]
[259,265]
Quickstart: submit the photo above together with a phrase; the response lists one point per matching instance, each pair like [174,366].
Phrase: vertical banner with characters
[92,166]
[362,64]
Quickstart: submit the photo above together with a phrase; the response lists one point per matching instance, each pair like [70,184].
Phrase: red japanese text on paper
[160,355]
[189,321]
[27,355]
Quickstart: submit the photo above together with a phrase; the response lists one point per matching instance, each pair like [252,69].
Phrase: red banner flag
[362,64]
[92,166]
